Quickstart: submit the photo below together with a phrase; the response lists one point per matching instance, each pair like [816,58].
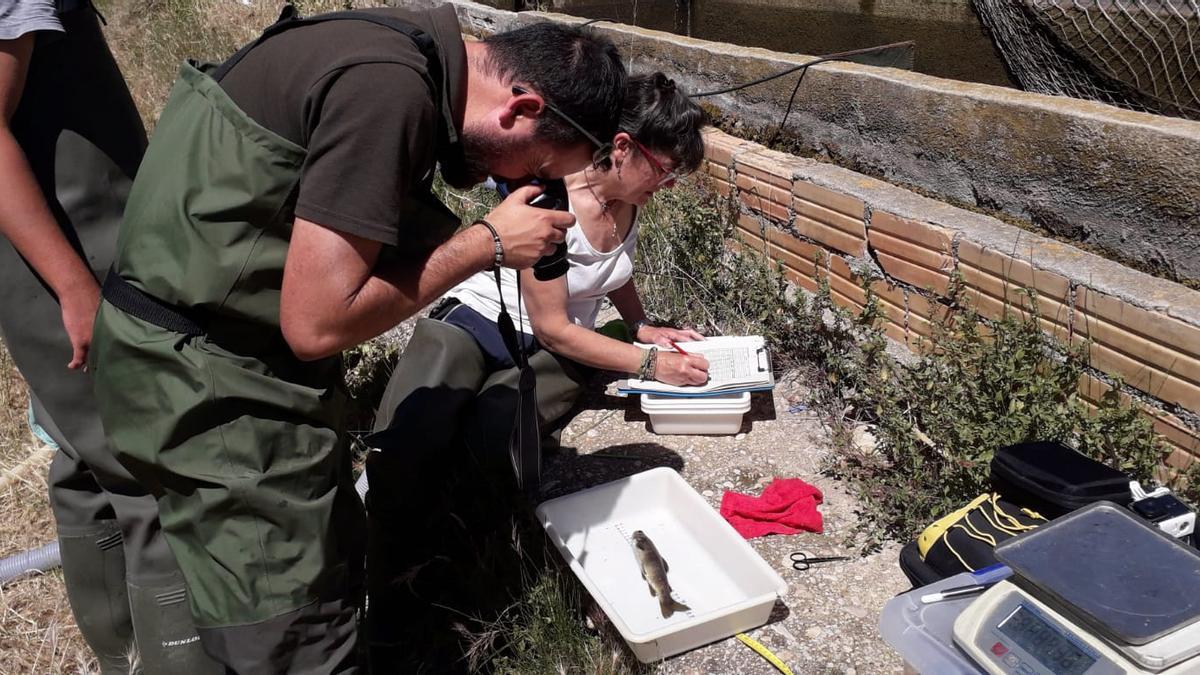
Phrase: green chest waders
[202,398]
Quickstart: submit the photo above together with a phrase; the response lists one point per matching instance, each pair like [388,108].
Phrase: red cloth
[787,506]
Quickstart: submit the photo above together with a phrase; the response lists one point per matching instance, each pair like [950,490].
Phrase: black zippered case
[1054,479]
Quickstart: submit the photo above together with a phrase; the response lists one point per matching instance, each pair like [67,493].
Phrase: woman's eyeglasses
[602,149]
[665,176]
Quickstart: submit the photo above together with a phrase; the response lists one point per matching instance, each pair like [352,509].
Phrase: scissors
[802,560]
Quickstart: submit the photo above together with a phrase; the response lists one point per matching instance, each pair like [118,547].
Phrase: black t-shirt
[352,93]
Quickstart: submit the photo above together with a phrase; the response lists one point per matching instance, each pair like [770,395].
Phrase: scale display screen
[1043,642]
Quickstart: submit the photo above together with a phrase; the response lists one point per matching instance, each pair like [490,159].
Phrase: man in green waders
[70,143]
[282,214]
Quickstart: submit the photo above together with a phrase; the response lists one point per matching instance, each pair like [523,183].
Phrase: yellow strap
[1033,514]
[939,527]
[765,653]
[976,533]
[946,540]
[961,519]
[1014,524]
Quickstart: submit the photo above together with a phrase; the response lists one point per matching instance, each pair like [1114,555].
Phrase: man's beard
[479,152]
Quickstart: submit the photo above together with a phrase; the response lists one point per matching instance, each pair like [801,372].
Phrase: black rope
[840,56]
[803,68]
[788,111]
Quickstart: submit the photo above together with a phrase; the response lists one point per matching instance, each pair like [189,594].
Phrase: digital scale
[1096,592]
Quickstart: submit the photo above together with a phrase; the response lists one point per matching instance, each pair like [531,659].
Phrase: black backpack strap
[525,441]
[290,18]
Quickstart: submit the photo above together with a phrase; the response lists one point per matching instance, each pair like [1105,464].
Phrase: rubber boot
[166,634]
[94,573]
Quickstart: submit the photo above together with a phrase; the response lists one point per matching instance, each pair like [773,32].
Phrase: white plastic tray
[728,586]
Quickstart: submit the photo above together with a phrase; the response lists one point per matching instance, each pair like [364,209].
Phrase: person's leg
[439,372]
[560,381]
[419,421]
[109,537]
[255,496]
[112,547]
[92,496]
[93,560]
[121,577]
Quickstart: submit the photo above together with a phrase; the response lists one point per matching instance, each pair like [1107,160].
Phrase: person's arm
[629,304]
[546,302]
[335,297]
[25,218]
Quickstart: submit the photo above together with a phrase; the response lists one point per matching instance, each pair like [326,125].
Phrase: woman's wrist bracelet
[649,361]
[645,363]
[498,257]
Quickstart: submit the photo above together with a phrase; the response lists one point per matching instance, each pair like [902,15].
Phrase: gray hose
[35,560]
[32,561]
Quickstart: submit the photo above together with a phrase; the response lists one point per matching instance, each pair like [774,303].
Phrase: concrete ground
[828,621]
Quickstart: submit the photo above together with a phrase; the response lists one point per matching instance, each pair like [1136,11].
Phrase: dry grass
[150,38]
[37,631]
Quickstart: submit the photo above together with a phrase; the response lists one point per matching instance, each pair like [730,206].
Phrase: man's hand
[663,336]
[680,369]
[527,232]
[78,314]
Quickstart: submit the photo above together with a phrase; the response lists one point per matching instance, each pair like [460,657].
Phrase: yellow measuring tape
[765,653]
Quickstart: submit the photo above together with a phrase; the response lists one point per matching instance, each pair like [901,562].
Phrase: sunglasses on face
[602,149]
[665,176]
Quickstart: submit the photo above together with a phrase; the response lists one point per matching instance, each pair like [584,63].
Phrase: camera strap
[524,443]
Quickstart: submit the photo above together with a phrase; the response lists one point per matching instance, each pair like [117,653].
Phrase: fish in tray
[654,571]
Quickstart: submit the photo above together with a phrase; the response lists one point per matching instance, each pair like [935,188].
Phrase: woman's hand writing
[680,369]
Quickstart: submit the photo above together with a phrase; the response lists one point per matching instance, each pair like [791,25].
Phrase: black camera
[553,197]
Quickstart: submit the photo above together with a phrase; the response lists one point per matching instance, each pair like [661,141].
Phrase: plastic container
[716,415]
[712,570]
[923,634]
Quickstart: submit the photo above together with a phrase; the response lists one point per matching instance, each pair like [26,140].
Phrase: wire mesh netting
[1138,54]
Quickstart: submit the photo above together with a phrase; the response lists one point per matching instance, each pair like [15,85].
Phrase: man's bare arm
[335,298]
[26,221]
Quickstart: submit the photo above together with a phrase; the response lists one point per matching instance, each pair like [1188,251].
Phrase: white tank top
[592,276]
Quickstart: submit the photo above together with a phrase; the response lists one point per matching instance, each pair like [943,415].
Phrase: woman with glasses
[459,358]
[658,140]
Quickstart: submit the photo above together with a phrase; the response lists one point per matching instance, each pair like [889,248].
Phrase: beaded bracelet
[641,371]
[498,258]
[649,364]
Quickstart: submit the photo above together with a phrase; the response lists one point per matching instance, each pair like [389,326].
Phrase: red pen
[677,347]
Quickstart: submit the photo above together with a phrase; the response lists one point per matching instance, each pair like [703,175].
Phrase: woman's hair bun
[664,83]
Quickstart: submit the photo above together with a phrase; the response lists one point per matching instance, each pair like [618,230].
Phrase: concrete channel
[1122,183]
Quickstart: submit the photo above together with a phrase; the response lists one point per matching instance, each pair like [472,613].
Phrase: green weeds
[975,386]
